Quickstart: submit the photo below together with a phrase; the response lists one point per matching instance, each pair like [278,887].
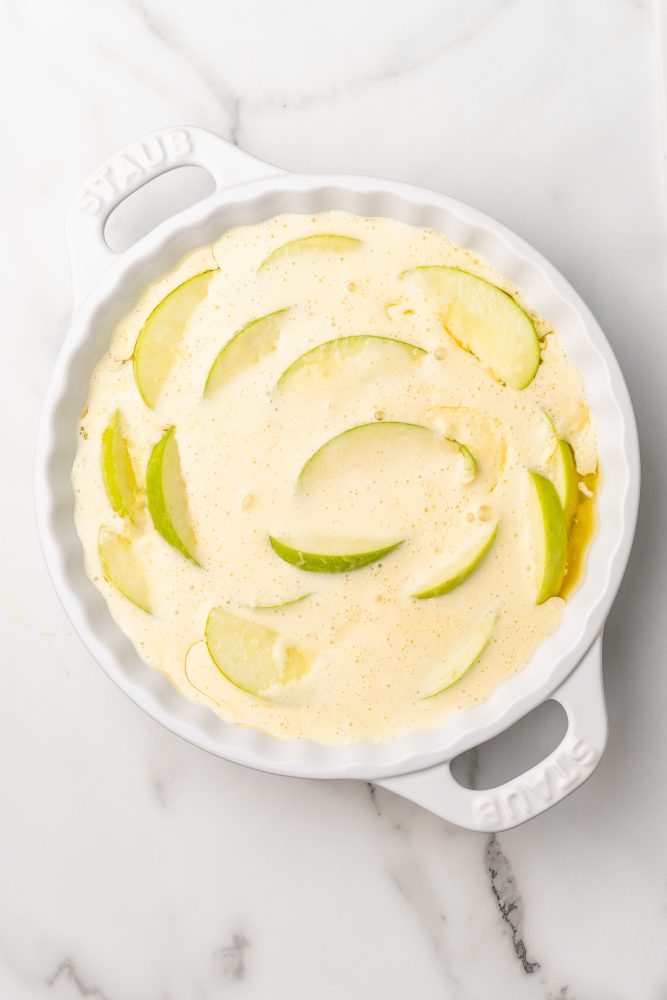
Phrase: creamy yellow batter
[369,643]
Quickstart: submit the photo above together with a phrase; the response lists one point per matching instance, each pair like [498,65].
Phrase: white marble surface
[134,867]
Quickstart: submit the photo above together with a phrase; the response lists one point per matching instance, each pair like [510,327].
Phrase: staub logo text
[562,772]
[125,171]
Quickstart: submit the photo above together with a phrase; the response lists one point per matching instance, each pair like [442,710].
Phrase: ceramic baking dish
[567,667]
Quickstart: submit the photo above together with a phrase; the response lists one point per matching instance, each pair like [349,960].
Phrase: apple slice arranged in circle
[329,356]
[459,570]
[485,321]
[157,343]
[121,567]
[354,557]
[353,446]
[117,471]
[459,661]
[549,536]
[167,498]
[481,433]
[253,657]
[279,605]
[247,346]
[564,471]
[318,243]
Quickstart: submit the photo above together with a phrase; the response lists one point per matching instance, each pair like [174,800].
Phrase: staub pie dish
[329,490]
[565,666]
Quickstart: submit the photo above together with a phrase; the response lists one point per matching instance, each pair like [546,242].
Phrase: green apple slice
[485,321]
[563,469]
[330,355]
[551,433]
[253,657]
[248,346]
[469,460]
[167,498]
[121,567]
[549,536]
[459,570]
[117,471]
[281,604]
[480,432]
[318,242]
[357,445]
[356,556]
[459,661]
[157,343]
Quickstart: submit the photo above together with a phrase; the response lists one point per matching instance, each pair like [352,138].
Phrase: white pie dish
[566,667]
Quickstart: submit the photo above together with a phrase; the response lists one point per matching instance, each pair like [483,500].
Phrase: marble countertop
[135,867]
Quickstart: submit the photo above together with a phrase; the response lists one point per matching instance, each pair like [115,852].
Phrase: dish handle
[531,793]
[130,169]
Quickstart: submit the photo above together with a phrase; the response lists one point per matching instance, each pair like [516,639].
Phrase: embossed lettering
[89,203]
[179,140]
[516,804]
[541,785]
[487,810]
[141,159]
[103,183]
[561,773]
[564,774]
[583,752]
[152,152]
[126,168]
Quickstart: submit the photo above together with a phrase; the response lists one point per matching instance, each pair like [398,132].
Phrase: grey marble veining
[508,898]
[134,867]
